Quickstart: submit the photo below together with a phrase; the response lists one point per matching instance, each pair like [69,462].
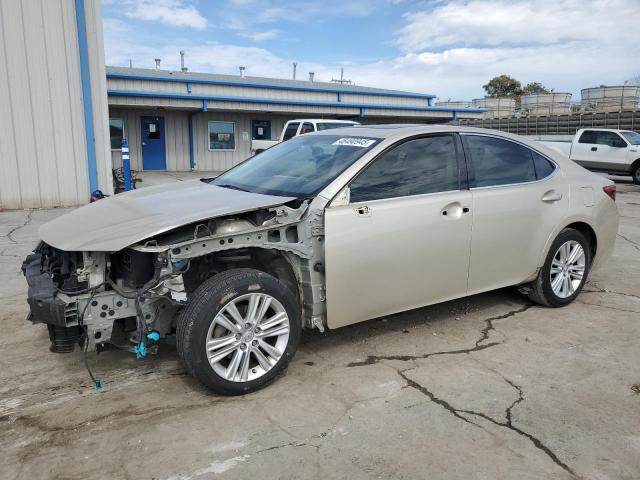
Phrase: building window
[222,136]
[116,131]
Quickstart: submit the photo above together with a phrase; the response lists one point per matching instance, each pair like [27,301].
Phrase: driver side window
[420,166]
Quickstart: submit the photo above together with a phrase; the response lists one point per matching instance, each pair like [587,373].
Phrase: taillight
[611,191]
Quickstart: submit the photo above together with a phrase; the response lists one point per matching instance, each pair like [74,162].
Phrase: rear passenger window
[306,128]
[291,130]
[588,136]
[499,162]
[423,165]
[543,167]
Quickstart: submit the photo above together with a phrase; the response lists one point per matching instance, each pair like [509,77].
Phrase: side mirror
[342,198]
[620,144]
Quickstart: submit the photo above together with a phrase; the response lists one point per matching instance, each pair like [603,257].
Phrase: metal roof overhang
[361,107]
[273,86]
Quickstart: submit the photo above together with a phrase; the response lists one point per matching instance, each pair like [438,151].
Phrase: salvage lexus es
[325,230]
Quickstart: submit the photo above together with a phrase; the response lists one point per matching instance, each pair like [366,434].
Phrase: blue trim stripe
[86,95]
[274,86]
[273,101]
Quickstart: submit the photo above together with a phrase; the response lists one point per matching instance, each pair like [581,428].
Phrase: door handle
[363,211]
[594,149]
[454,210]
[551,196]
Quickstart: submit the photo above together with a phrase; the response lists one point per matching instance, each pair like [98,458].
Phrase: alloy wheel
[567,269]
[247,337]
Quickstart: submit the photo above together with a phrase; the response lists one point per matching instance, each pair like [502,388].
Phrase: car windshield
[300,167]
[632,137]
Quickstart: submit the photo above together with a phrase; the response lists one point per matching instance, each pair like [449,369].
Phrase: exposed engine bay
[129,299]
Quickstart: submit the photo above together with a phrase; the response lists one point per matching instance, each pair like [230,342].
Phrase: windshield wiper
[233,187]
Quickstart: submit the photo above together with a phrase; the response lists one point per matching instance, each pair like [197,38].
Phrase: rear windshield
[300,167]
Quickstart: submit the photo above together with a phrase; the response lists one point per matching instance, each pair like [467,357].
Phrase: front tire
[564,272]
[239,331]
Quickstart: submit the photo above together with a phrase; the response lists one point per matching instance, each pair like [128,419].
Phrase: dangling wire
[97,383]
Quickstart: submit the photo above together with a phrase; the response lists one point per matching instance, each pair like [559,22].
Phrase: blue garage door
[153,149]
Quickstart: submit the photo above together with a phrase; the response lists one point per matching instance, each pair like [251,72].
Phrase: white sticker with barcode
[354,142]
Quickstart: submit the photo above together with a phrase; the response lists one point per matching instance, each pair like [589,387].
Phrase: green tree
[534,88]
[503,86]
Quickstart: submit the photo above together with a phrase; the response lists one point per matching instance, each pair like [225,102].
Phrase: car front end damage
[130,298]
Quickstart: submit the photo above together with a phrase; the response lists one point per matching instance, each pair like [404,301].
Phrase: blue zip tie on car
[153,336]
[140,350]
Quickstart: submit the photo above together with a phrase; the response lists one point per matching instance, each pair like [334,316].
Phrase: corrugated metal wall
[95,40]
[223,160]
[176,124]
[43,145]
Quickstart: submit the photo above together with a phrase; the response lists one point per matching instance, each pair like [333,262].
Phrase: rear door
[582,151]
[402,241]
[519,197]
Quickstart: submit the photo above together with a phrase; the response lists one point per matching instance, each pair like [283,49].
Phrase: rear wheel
[635,173]
[564,272]
[239,331]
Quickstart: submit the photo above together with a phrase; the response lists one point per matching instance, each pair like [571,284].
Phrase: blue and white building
[63,113]
[180,121]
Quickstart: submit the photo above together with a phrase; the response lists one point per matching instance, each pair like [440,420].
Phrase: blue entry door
[154,155]
[261,129]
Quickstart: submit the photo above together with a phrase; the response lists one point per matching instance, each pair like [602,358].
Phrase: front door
[260,129]
[403,239]
[153,144]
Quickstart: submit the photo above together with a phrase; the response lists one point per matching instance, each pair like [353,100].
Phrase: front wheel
[239,331]
[564,272]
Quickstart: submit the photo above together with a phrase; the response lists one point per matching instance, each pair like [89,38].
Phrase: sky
[449,48]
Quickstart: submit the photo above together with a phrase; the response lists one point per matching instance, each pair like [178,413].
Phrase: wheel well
[586,230]
[273,262]
[635,164]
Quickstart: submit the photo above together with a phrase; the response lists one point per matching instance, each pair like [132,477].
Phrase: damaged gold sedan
[324,230]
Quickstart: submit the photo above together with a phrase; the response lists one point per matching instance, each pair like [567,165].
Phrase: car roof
[393,129]
[324,120]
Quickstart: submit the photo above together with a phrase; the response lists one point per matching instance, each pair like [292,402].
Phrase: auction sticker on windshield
[354,142]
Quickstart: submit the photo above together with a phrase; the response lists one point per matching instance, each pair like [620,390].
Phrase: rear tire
[239,331]
[635,173]
[564,272]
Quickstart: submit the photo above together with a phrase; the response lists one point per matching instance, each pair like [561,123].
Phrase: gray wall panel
[43,157]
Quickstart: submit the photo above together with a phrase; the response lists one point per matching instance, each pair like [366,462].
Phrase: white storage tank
[546,104]
[610,99]
[497,107]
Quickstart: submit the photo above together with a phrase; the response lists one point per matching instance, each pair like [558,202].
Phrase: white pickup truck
[299,127]
[616,152]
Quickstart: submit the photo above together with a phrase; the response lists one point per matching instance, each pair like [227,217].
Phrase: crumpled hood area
[116,222]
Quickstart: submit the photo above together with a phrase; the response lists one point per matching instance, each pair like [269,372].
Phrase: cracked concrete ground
[488,387]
